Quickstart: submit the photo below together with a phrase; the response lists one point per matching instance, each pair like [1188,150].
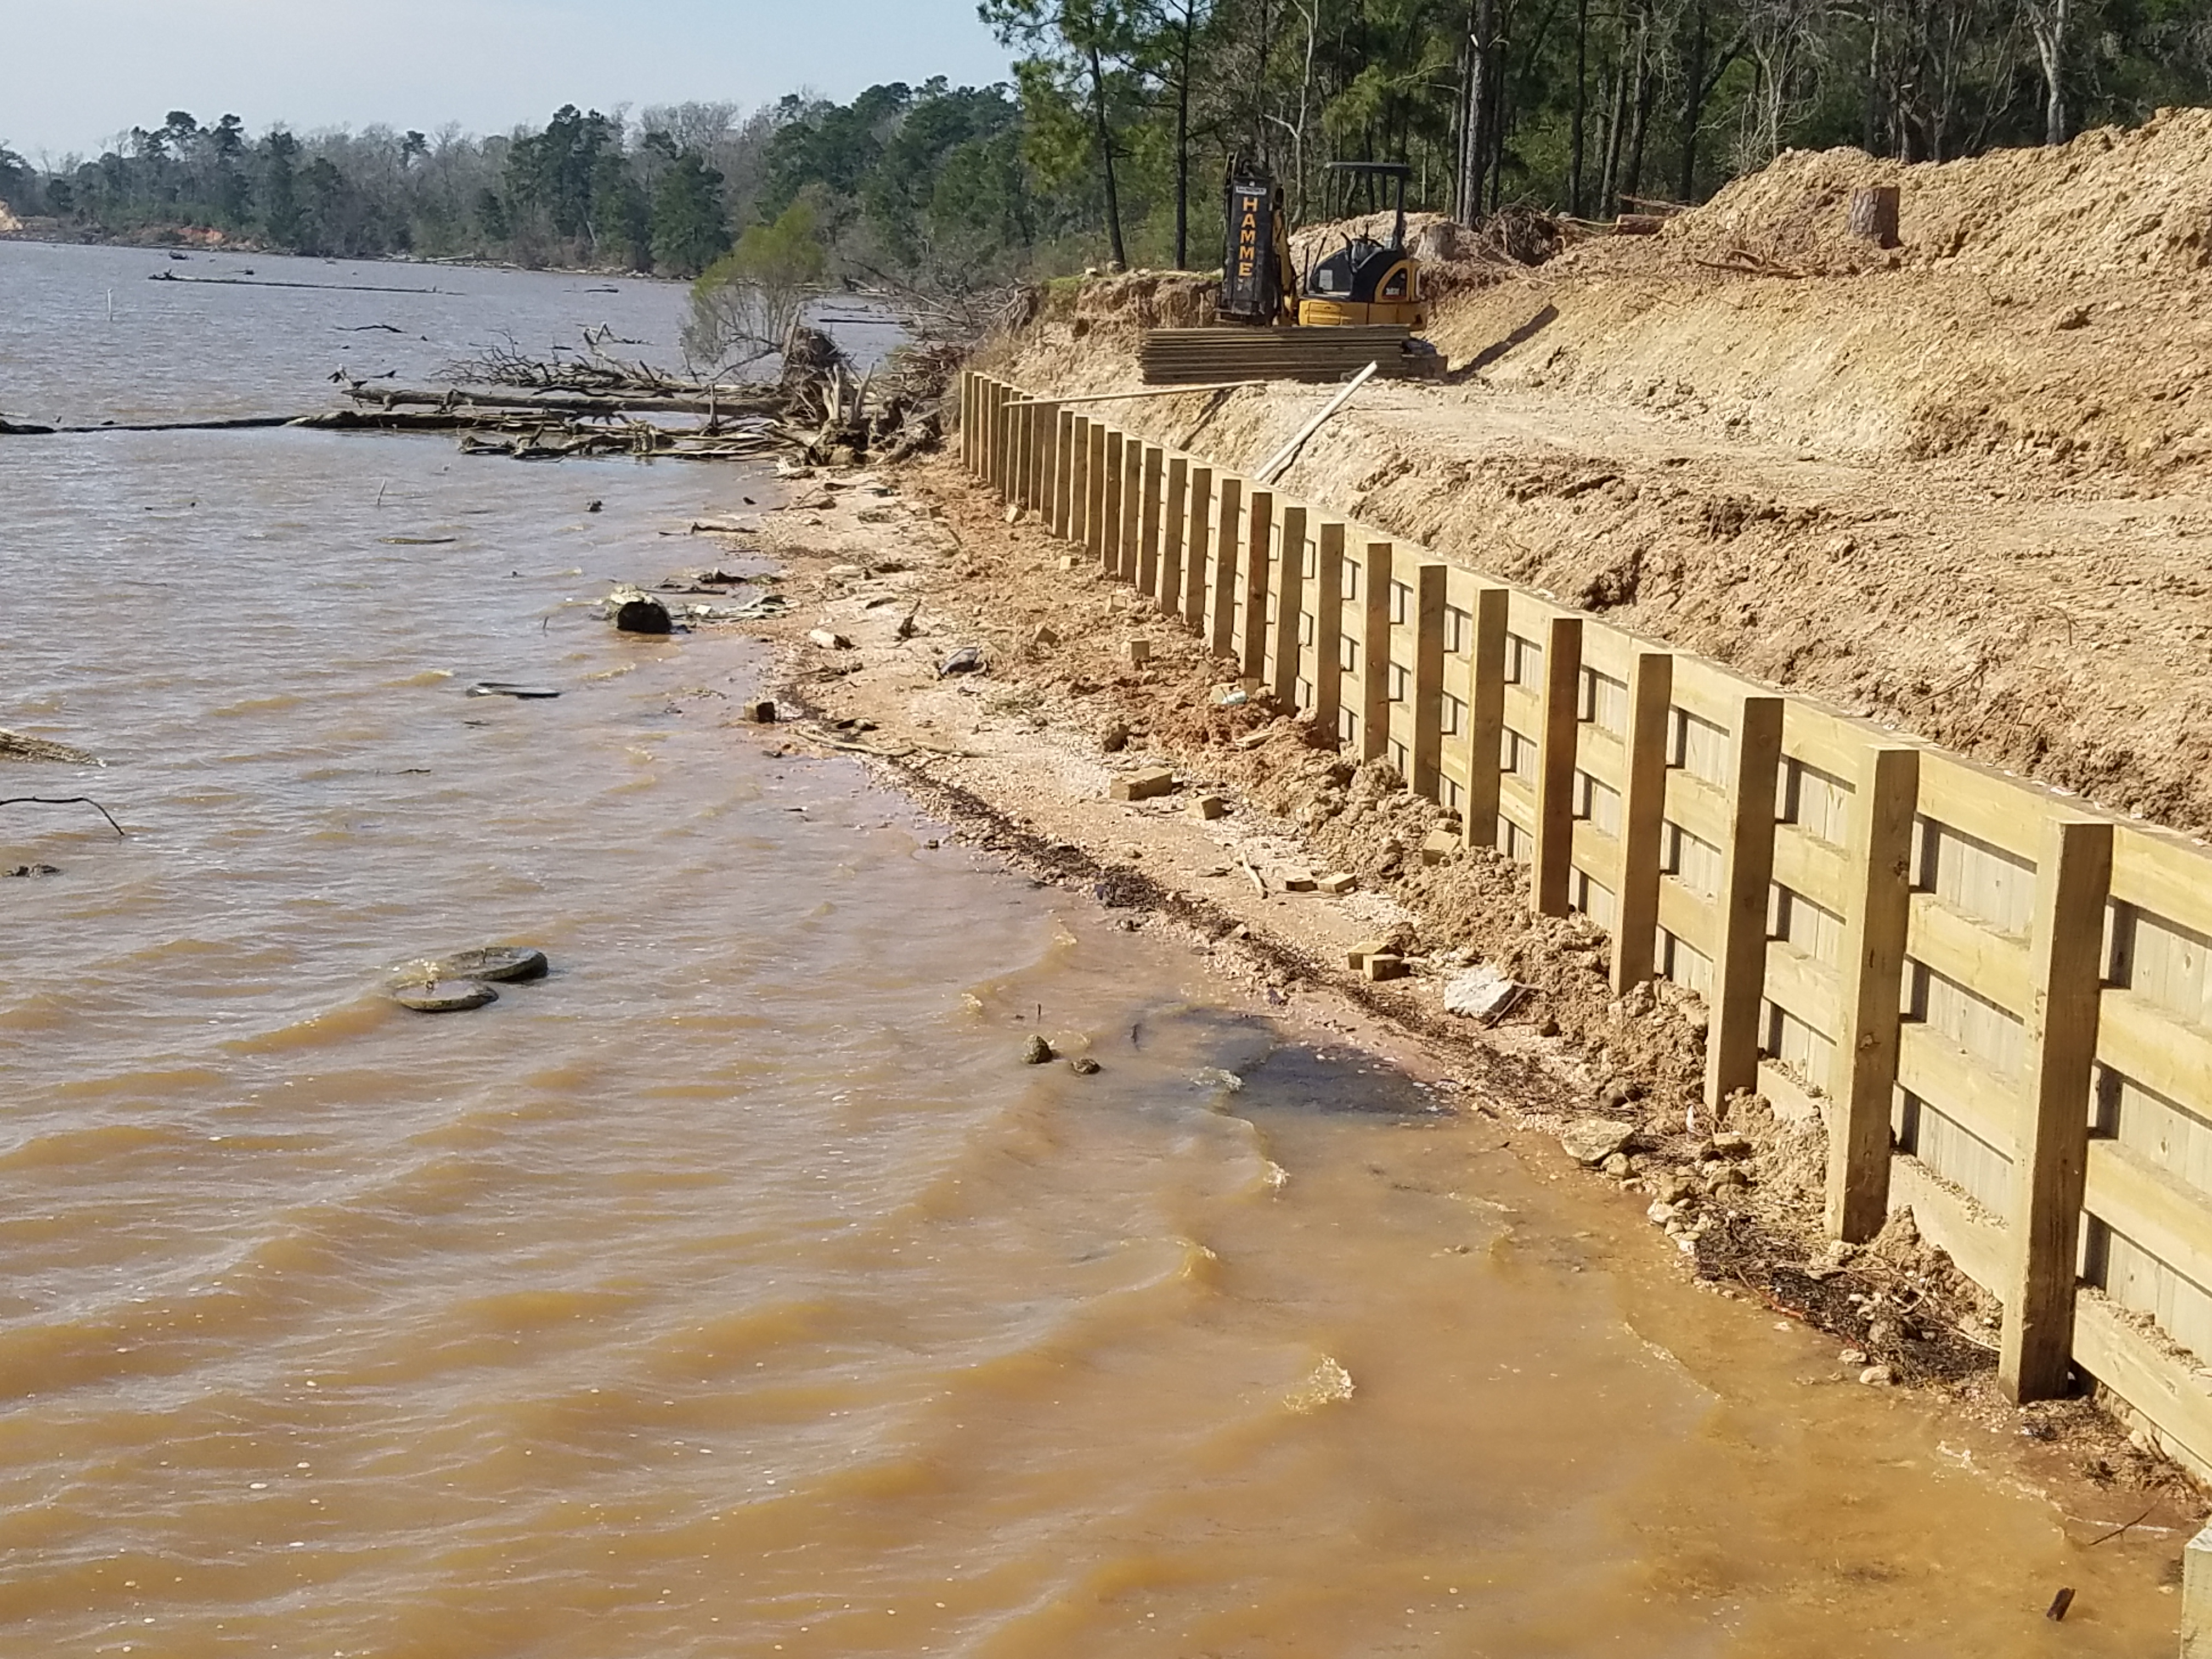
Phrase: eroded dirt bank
[891,577]
[1963,486]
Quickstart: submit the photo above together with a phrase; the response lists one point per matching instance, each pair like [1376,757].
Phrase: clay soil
[1962,487]
[908,568]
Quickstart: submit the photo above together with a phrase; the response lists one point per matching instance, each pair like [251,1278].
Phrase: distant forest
[1109,144]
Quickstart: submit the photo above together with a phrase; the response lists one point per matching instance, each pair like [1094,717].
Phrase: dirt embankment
[890,578]
[1963,486]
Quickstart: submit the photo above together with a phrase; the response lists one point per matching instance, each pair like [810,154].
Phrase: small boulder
[1083,1065]
[1594,1140]
[1037,1052]
[643,614]
[1878,1377]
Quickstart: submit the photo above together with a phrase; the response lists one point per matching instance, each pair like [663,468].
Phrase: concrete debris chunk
[1299,881]
[1437,845]
[1340,882]
[1594,1140]
[829,641]
[1145,785]
[1480,992]
[1209,806]
[1385,965]
[760,711]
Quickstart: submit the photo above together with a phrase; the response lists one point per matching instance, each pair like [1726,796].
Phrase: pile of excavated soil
[1967,496]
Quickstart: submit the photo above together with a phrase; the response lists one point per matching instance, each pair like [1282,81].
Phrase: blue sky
[79,71]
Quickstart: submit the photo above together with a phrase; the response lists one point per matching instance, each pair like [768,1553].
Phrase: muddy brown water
[735,1291]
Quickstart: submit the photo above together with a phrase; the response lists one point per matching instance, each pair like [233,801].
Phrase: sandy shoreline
[912,566]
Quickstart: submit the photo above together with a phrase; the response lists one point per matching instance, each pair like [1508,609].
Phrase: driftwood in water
[750,400]
[14,745]
[263,282]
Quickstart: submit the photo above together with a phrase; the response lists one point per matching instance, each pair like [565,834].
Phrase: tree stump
[1873,214]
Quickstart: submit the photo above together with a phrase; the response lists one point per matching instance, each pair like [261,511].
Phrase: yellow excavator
[1363,284]
[1358,303]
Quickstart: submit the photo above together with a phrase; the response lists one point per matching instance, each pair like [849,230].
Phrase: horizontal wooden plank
[1980,803]
[1789,1098]
[2168,1055]
[1611,650]
[1524,711]
[1595,854]
[1993,965]
[1602,755]
[1689,918]
[2177,1401]
[1711,692]
[1949,1221]
[1808,988]
[1517,806]
[2167,1215]
[1806,863]
[1958,1086]
[1698,808]
[2165,874]
[1828,741]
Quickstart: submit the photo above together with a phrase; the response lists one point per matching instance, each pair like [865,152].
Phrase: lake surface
[735,1291]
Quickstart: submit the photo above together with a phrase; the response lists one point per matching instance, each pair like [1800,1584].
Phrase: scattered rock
[27,870]
[1083,1065]
[1878,1377]
[1299,883]
[1661,1212]
[1437,845]
[1616,1095]
[1382,965]
[1115,737]
[968,660]
[1139,652]
[642,615]
[1853,1357]
[444,996]
[501,963]
[1480,992]
[1619,1166]
[1209,806]
[2072,318]
[760,711]
[1037,1052]
[829,641]
[1594,1140]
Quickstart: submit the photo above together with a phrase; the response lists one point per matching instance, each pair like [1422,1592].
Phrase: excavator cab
[1367,280]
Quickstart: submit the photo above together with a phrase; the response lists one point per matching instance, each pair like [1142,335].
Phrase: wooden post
[1643,811]
[1872,214]
[1197,539]
[1146,572]
[968,419]
[2196,1596]
[1132,507]
[988,417]
[2051,1144]
[1486,717]
[1377,568]
[1017,452]
[1228,543]
[1043,417]
[1746,873]
[1108,549]
[1286,580]
[1174,523]
[1328,624]
[1259,543]
[1886,794]
[1096,469]
[1009,428]
[1428,710]
[1079,479]
[1063,471]
[1553,864]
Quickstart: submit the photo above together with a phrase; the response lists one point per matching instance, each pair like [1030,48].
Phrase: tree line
[1584,108]
[1109,143]
[924,185]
